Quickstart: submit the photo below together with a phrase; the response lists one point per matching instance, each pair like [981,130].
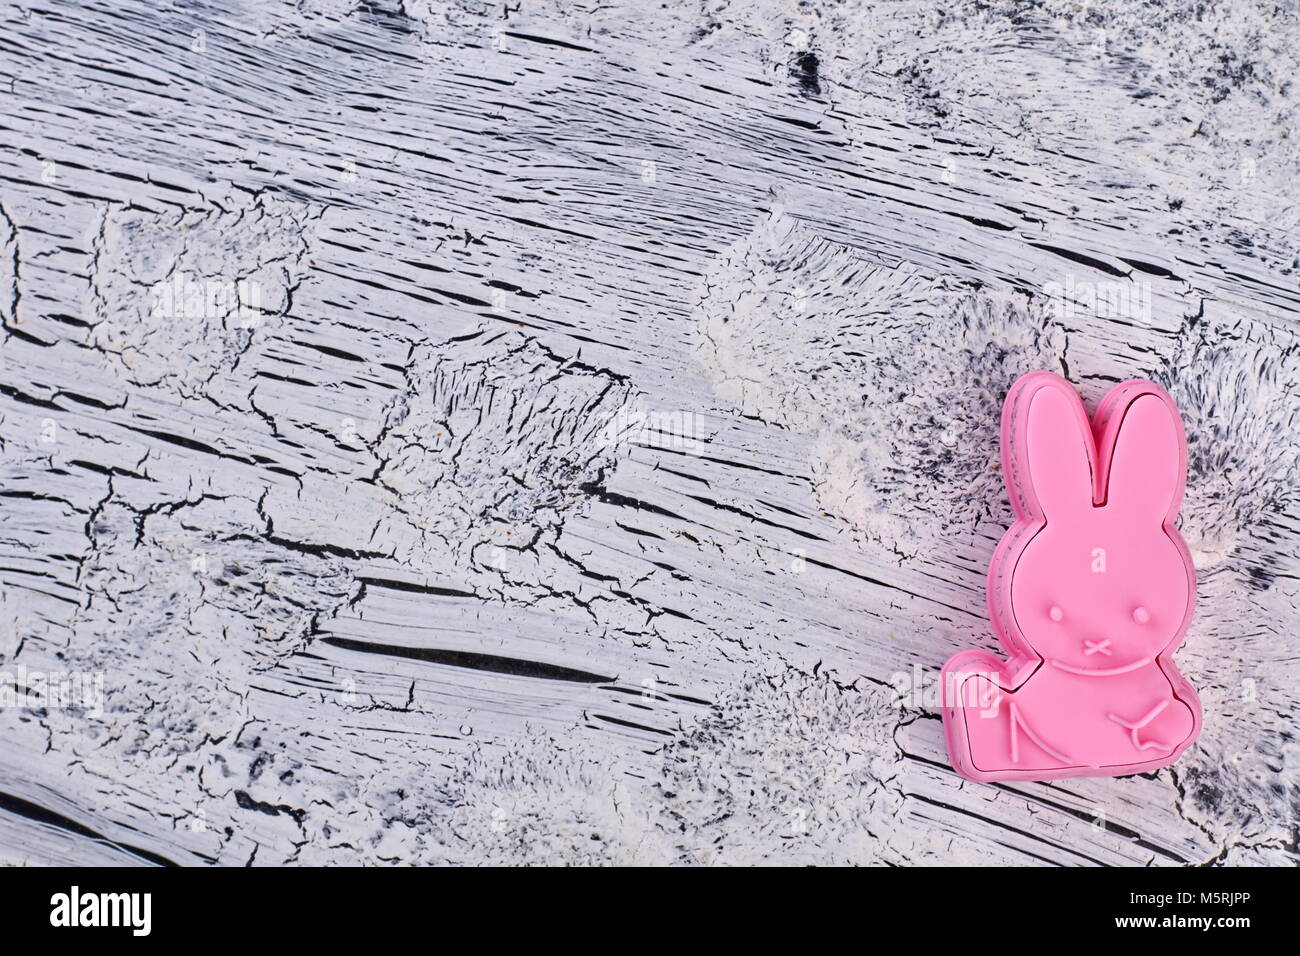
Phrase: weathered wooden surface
[609,463]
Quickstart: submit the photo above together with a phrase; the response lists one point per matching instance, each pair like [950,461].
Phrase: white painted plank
[603,460]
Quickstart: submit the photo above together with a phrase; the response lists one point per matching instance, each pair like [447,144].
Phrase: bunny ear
[1148,457]
[1048,446]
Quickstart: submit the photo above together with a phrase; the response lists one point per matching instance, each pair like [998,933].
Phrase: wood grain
[565,432]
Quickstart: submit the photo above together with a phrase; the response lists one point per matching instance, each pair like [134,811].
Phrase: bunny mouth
[1096,647]
[1099,672]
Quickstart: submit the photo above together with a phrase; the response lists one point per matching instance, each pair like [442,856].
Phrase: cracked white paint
[609,462]
[898,376]
[179,298]
[492,441]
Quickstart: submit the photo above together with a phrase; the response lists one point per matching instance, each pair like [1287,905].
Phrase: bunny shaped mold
[1090,592]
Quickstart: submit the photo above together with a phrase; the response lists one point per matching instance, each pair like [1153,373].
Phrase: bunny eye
[1055,613]
[1141,615]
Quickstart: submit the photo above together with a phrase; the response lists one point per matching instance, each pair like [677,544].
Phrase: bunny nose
[1096,647]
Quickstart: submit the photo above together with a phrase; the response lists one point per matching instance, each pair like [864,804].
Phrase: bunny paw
[1160,723]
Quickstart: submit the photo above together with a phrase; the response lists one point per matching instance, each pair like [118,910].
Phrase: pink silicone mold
[1090,592]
